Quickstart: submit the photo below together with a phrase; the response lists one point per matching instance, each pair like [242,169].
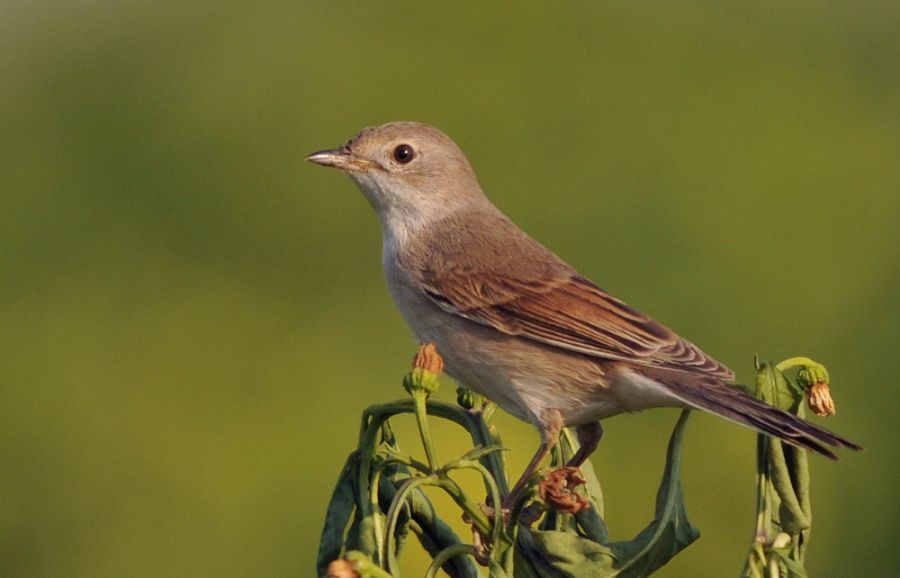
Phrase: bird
[515,322]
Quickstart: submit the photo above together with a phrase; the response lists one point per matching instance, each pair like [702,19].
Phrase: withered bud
[342,569]
[819,399]
[427,358]
[427,364]
[557,490]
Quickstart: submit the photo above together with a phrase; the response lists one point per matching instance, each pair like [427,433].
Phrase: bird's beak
[342,158]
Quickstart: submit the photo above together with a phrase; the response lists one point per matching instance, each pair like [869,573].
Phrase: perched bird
[513,321]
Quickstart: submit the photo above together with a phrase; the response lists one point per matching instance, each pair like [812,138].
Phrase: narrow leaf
[340,509]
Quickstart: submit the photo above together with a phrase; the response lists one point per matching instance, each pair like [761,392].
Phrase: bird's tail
[717,397]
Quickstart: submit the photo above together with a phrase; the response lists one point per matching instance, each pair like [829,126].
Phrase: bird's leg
[550,429]
[589,435]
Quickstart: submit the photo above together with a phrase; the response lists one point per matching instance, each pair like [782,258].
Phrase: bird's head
[407,171]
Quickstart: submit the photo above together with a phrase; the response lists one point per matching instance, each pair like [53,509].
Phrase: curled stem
[378,530]
[449,552]
[795,362]
[394,513]
[496,533]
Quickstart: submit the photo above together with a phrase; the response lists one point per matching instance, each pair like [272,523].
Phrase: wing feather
[520,288]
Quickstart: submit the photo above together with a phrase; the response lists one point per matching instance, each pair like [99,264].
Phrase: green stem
[364,567]
[496,534]
[674,442]
[394,514]
[373,497]
[794,362]
[483,436]
[367,449]
[449,552]
[756,557]
[474,513]
[782,483]
[473,422]
[420,401]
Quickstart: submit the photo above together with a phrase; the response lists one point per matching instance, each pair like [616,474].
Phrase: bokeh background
[192,318]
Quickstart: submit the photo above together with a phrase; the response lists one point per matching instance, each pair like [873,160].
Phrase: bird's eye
[403,154]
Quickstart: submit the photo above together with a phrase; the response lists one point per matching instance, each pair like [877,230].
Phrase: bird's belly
[523,377]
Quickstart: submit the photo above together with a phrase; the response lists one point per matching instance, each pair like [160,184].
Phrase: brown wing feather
[577,315]
[537,296]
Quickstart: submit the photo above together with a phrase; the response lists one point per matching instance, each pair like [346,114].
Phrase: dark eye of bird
[403,153]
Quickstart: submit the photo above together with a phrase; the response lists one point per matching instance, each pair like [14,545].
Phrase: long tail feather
[717,397]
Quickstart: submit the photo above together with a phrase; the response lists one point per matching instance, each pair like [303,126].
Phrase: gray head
[411,173]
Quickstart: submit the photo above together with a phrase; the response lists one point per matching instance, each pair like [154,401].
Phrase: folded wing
[496,275]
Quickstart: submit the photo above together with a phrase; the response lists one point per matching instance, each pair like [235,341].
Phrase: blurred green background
[192,318]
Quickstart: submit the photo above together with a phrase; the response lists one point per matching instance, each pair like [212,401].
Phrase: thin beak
[342,158]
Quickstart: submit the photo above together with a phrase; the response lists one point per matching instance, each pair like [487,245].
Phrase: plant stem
[794,362]
[420,401]
[446,554]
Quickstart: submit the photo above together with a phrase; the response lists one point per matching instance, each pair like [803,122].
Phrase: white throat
[404,212]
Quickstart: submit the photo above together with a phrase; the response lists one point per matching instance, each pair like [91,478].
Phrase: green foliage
[378,501]
[783,511]
[587,552]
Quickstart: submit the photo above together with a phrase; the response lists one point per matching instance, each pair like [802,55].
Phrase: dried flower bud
[427,364]
[820,399]
[813,377]
[557,490]
[342,569]
[427,358]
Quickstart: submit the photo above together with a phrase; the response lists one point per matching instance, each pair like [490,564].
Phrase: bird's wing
[576,315]
[525,290]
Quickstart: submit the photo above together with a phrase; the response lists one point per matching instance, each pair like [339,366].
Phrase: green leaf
[791,516]
[564,554]
[362,535]
[783,503]
[495,570]
[592,487]
[340,509]
[479,452]
[775,389]
[592,525]
[365,567]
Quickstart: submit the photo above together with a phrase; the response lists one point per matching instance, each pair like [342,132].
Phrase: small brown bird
[515,322]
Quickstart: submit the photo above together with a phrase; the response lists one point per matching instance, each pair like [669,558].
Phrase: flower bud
[427,365]
[427,358]
[812,373]
[813,377]
[468,399]
[820,401]
[342,569]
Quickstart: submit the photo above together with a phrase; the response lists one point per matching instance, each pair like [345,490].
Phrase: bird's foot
[555,490]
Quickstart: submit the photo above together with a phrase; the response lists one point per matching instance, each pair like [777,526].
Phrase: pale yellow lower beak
[342,158]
